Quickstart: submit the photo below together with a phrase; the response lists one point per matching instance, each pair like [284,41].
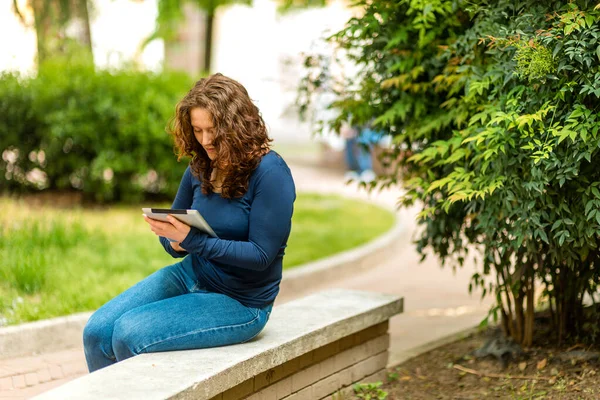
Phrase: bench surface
[294,329]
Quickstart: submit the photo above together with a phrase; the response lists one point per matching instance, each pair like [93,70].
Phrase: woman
[222,292]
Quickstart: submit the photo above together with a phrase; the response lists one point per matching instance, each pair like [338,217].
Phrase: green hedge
[100,132]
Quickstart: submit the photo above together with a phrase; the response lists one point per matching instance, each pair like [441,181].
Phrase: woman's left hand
[174,229]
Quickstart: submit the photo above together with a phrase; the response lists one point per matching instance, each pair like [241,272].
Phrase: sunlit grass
[57,261]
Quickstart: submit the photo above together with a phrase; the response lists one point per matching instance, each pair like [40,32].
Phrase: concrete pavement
[437,303]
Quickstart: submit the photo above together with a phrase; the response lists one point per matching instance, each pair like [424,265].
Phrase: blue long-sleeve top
[245,261]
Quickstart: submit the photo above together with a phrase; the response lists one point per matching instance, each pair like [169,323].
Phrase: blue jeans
[169,310]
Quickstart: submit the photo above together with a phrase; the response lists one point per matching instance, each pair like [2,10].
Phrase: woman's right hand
[176,246]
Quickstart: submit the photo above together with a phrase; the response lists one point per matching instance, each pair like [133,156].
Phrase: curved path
[437,304]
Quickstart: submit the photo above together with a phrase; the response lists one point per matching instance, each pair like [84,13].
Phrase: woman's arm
[269,226]
[183,199]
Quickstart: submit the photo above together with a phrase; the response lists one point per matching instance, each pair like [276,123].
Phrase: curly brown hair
[240,140]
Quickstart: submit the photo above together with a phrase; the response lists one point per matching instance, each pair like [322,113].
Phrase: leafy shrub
[498,104]
[99,132]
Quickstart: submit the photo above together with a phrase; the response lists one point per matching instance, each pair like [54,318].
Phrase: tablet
[189,217]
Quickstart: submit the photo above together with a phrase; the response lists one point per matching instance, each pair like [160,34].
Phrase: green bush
[498,104]
[99,132]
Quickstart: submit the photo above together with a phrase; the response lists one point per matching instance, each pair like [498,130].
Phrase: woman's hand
[173,229]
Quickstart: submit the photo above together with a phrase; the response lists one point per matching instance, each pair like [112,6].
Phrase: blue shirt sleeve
[183,199]
[269,226]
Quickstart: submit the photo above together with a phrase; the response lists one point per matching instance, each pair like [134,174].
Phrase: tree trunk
[519,315]
[511,320]
[530,314]
[47,32]
[505,321]
[560,305]
[86,34]
[208,38]
[50,21]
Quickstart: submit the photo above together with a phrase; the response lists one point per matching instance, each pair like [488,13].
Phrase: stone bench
[311,348]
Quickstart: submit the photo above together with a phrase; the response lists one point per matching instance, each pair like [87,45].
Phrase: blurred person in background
[359,143]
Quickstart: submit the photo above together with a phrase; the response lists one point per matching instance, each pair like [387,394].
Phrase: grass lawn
[57,262]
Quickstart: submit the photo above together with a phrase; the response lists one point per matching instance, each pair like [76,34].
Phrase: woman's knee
[96,331]
[126,336]
[97,337]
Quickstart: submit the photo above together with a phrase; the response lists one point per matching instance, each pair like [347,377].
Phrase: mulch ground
[451,372]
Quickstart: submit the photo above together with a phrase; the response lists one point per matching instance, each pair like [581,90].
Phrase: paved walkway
[437,303]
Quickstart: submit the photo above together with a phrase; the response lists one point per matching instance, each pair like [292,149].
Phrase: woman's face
[203,130]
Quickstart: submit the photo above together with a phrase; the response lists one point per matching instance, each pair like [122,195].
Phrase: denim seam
[195,332]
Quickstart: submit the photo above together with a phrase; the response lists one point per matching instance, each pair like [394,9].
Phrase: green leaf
[573,135]
[565,133]
[588,206]
[596,192]
[589,19]
[542,235]
[556,224]
[458,196]
[576,113]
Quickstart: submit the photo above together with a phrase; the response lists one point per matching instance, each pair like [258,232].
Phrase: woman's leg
[171,281]
[192,321]
[365,161]
[350,154]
